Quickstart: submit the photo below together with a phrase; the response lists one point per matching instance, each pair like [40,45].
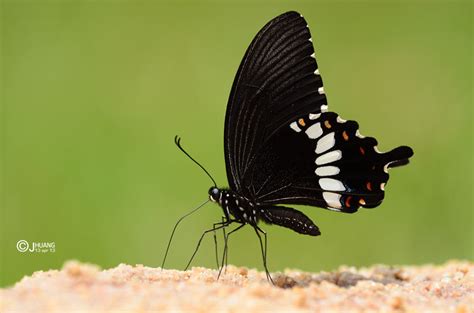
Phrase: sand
[83,287]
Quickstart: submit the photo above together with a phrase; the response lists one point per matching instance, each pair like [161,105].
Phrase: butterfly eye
[214,194]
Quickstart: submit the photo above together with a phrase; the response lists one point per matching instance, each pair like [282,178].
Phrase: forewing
[276,81]
[281,144]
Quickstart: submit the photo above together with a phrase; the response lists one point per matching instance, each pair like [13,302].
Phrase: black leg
[264,251]
[224,255]
[174,229]
[226,261]
[223,221]
[215,244]
[213,229]
[225,241]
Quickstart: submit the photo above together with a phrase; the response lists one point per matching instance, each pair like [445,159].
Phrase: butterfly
[282,145]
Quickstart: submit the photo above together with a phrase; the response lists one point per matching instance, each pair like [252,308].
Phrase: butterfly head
[214,194]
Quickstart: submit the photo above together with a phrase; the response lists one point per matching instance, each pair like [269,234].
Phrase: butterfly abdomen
[290,218]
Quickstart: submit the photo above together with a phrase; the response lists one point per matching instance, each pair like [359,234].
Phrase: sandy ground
[83,287]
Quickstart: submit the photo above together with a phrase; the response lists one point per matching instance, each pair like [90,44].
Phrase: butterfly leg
[215,227]
[263,247]
[215,243]
[225,254]
[215,246]
[174,229]
[225,241]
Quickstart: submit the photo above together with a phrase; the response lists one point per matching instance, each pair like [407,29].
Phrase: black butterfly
[283,146]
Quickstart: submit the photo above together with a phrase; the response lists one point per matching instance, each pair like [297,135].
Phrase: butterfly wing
[323,160]
[277,79]
[281,144]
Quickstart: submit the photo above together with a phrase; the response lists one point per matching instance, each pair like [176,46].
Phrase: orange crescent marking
[301,122]
[345,136]
[348,201]
[327,124]
[369,186]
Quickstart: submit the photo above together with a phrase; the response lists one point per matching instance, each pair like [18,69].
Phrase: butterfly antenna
[174,229]
[177,141]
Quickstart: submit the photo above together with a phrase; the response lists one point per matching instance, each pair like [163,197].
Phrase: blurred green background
[93,92]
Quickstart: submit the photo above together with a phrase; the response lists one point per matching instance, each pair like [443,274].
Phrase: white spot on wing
[321,90]
[317,71]
[382,186]
[324,108]
[327,170]
[314,131]
[325,143]
[331,184]
[313,55]
[332,199]
[295,127]
[377,149]
[314,116]
[310,40]
[358,134]
[329,157]
[340,120]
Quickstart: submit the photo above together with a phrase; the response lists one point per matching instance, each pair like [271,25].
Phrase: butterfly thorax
[235,207]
